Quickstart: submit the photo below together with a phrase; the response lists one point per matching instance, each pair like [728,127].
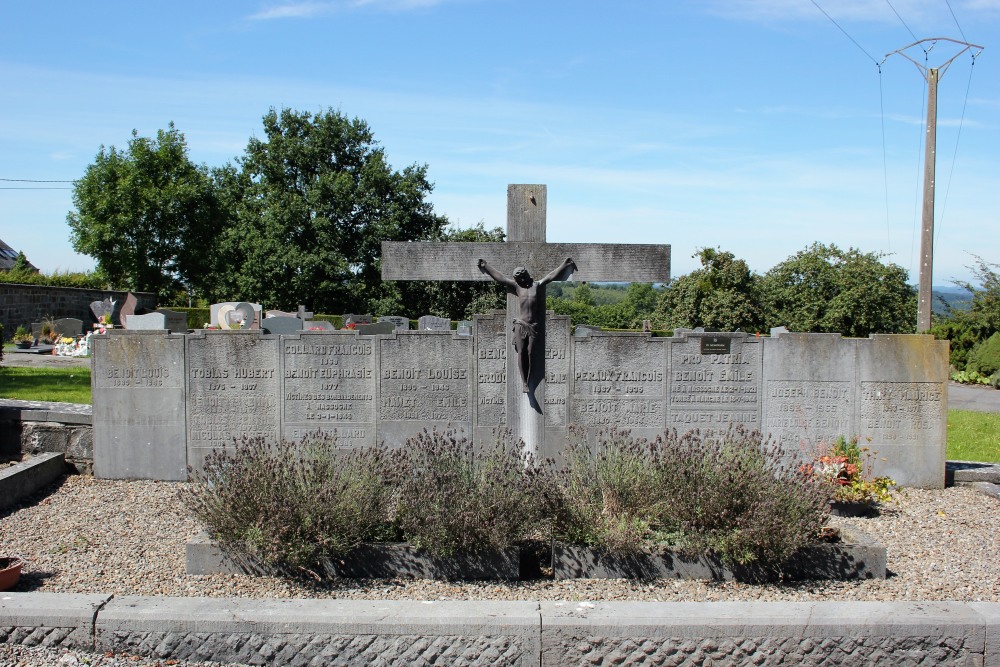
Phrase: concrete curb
[526,634]
[23,479]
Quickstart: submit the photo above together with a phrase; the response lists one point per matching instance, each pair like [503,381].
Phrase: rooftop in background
[7,257]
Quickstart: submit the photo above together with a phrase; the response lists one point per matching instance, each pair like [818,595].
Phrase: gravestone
[278,313]
[433,323]
[424,382]
[223,315]
[355,319]
[398,321]
[281,325]
[714,382]
[377,328]
[584,330]
[233,389]
[464,328]
[303,314]
[100,308]
[68,327]
[147,322]
[175,321]
[139,406]
[328,386]
[128,309]
[319,325]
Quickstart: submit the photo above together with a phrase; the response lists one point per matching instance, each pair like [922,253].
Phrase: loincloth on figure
[523,333]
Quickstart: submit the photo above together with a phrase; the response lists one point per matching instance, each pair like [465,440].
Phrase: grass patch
[63,385]
[973,436]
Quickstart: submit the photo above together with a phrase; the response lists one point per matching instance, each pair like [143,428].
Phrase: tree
[826,289]
[966,328]
[723,295]
[147,214]
[312,203]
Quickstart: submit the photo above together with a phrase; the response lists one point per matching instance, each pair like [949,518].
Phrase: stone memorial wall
[163,401]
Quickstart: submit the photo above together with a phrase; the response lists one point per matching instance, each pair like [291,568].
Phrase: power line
[872,58]
[954,157]
[31,180]
[961,32]
[901,20]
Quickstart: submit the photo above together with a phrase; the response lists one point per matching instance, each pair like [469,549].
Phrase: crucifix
[525,249]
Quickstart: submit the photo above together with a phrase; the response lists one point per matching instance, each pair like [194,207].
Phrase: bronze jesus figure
[531,309]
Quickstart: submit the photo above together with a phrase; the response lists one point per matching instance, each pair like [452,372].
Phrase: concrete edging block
[50,619]
[348,631]
[23,479]
[989,612]
[743,632]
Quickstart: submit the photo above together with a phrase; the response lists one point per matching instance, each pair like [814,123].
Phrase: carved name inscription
[712,391]
[619,381]
[233,389]
[900,411]
[425,377]
[807,411]
[329,386]
[557,371]
[491,370]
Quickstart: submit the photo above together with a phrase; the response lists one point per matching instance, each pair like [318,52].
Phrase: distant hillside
[958,298]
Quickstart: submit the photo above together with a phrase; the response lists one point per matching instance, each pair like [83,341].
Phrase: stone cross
[525,246]
[303,314]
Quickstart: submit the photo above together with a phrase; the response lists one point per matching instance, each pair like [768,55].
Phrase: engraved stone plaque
[619,381]
[902,406]
[424,382]
[139,428]
[328,385]
[808,390]
[491,372]
[712,391]
[233,389]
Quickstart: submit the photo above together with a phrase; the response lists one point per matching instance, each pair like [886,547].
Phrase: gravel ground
[127,538]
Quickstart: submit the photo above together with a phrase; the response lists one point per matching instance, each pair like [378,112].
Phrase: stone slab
[329,385]
[370,561]
[21,480]
[738,633]
[347,632]
[989,612]
[287,324]
[233,386]
[859,557]
[147,322]
[139,405]
[56,620]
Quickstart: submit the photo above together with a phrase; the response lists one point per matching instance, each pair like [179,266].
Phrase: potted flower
[854,491]
[10,572]
[23,338]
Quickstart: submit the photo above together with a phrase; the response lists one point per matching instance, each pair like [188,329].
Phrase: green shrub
[738,495]
[463,497]
[969,377]
[985,356]
[292,506]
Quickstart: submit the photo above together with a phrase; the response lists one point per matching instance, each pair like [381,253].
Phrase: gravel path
[127,538]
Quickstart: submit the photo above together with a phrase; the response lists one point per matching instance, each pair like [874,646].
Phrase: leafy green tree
[312,202]
[968,327]
[584,295]
[723,295]
[147,214]
[826,289]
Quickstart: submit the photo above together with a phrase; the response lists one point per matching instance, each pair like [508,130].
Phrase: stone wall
[524,634]
[165,401]
[24,304]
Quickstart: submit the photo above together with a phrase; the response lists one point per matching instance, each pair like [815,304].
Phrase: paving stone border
[525,634]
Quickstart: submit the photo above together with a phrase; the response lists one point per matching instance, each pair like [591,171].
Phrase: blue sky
[757,126]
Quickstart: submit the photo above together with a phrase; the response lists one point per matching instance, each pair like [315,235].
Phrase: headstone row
[374,385]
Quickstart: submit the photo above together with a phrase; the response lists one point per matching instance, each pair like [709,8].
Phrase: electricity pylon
[931,75]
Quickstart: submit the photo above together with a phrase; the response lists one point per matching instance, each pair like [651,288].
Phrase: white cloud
[301,10]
